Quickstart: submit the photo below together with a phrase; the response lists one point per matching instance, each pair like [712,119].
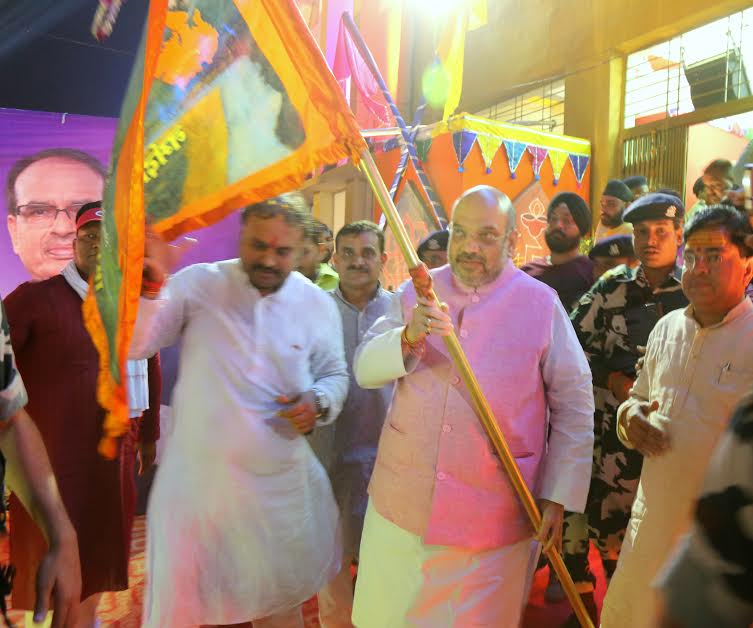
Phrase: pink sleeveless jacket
[436,473]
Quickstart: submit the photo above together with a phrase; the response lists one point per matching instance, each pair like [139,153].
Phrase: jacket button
[441,476]
[475,298]
[464,333]
[447,428]
[456,380]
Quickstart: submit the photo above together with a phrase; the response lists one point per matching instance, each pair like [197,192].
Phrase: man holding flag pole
[183,159]
[446,541]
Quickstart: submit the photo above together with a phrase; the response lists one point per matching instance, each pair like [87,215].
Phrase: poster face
[41,196]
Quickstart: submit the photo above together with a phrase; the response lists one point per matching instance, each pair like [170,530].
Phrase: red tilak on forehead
[272,242]
[705,239]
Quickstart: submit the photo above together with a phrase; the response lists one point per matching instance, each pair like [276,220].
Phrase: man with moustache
[568,219]
[44,192]
[242,522]
[698,367]
[359,258]
[445,539]
[59,365]
[718,181]
[615,198]
[612,320]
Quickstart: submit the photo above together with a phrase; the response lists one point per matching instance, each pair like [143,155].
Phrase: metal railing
[701,68]
[542,108]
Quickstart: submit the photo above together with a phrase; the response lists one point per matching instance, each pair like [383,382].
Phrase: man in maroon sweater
[59,363]
[568,219]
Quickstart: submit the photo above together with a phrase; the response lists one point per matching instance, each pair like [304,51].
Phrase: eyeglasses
[711,260]
[484,237]
[45,214]
[368,255]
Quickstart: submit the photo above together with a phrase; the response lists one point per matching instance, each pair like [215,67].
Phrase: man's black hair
[734,222]
[361,226]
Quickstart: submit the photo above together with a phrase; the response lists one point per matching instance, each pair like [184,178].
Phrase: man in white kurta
[242,522]
[445,540]
[697,368]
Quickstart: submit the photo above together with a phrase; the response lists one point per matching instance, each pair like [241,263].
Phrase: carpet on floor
[123,609]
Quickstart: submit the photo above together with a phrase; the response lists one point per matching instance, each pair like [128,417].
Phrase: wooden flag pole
[481,405]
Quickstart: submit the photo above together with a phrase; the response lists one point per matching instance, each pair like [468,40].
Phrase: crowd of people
[324,443]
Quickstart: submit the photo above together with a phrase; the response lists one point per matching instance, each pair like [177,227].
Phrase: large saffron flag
[229,103]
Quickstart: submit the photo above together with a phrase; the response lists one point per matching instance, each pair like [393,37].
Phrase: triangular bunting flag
[422,148]
[538,154]
[515,152]
[579,163]
[462,142]
[489,146]
[558,159]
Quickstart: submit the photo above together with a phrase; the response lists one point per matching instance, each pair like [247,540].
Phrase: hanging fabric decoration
[489,146]
[349,64]
[422,148]
[558,159]
[462,142]
[538,155]
[579,163]
[515,152]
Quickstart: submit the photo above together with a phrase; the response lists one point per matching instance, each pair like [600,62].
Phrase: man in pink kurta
[446,541]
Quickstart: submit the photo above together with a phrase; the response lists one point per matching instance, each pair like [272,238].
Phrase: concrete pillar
[593,110]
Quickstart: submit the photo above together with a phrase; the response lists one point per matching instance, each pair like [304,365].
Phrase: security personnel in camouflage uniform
[612,320]
[612,251]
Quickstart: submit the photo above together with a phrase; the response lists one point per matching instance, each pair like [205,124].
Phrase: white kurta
[242,523]
[698,375]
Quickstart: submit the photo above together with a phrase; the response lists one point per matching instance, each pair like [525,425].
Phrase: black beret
[618,189]
[578,210]
[613,246]
[436,241]
[635,181]
[654,206]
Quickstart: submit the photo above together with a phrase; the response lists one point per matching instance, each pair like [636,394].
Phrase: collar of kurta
[79,285]
[741,309]
[378,294]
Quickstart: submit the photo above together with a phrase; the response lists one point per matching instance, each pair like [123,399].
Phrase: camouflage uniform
[611,320]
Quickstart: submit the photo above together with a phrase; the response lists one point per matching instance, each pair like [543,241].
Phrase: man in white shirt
[242,522]
[698,366]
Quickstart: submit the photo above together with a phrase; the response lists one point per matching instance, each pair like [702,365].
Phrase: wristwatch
[321,402]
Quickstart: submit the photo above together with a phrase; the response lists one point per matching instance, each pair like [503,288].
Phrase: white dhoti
[404,583]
